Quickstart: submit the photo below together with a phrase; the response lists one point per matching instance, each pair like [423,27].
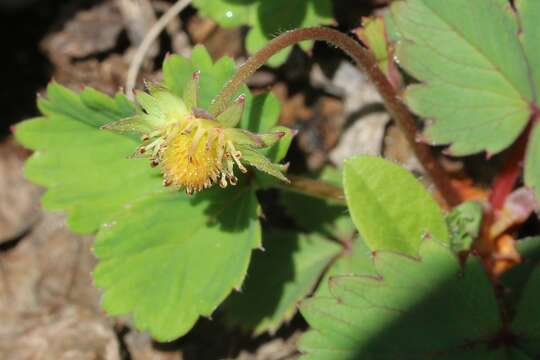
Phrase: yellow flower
[190,164]
[193,148]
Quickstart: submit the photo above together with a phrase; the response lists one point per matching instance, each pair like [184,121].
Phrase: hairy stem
[366,63]
[315,188]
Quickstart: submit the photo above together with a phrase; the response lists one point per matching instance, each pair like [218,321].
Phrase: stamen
[220,145]
[196,139]
[223,181]
[236,155]
[233,180]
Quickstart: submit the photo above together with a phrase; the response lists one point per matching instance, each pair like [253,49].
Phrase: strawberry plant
[169,184]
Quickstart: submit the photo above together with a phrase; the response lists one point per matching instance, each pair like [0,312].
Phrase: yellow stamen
[189,164]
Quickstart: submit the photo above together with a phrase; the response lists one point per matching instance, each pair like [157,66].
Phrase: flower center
[190,163]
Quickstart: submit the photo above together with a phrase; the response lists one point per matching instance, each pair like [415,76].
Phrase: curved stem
[366,63]
[314,188]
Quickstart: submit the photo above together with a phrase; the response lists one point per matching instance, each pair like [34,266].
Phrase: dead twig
[147,42]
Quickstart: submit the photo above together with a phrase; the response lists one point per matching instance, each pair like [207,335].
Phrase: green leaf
[278,279]
[177,71]
[390,208]
[464,224]
[228,13]
[168,259]
[261,16]
[528,11]
[354,260]
[85,170]
[163,257]
[474,74]
[515,279]
[373,35]
[415,308]
[532,161]
[527,320]
[261,114]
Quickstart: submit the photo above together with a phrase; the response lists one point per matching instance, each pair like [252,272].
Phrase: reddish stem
[506,179]
[366,63]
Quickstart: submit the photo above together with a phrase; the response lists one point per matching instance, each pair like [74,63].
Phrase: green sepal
[138,124]
[279,149]
[272,137]
[191,91]
[260,162]
[233,114]
[247,138]
[161,105]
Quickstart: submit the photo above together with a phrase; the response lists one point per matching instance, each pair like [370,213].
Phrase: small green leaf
[168,260]
[373,35]
[390,208]
[278,279]
[475,79]
[464,223]
[413,309]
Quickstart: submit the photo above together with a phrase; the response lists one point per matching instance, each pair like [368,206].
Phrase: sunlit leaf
[356,258]
[474,75]
[165,258]
[168,260]
[86,170]
[390,208]
[414,308]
